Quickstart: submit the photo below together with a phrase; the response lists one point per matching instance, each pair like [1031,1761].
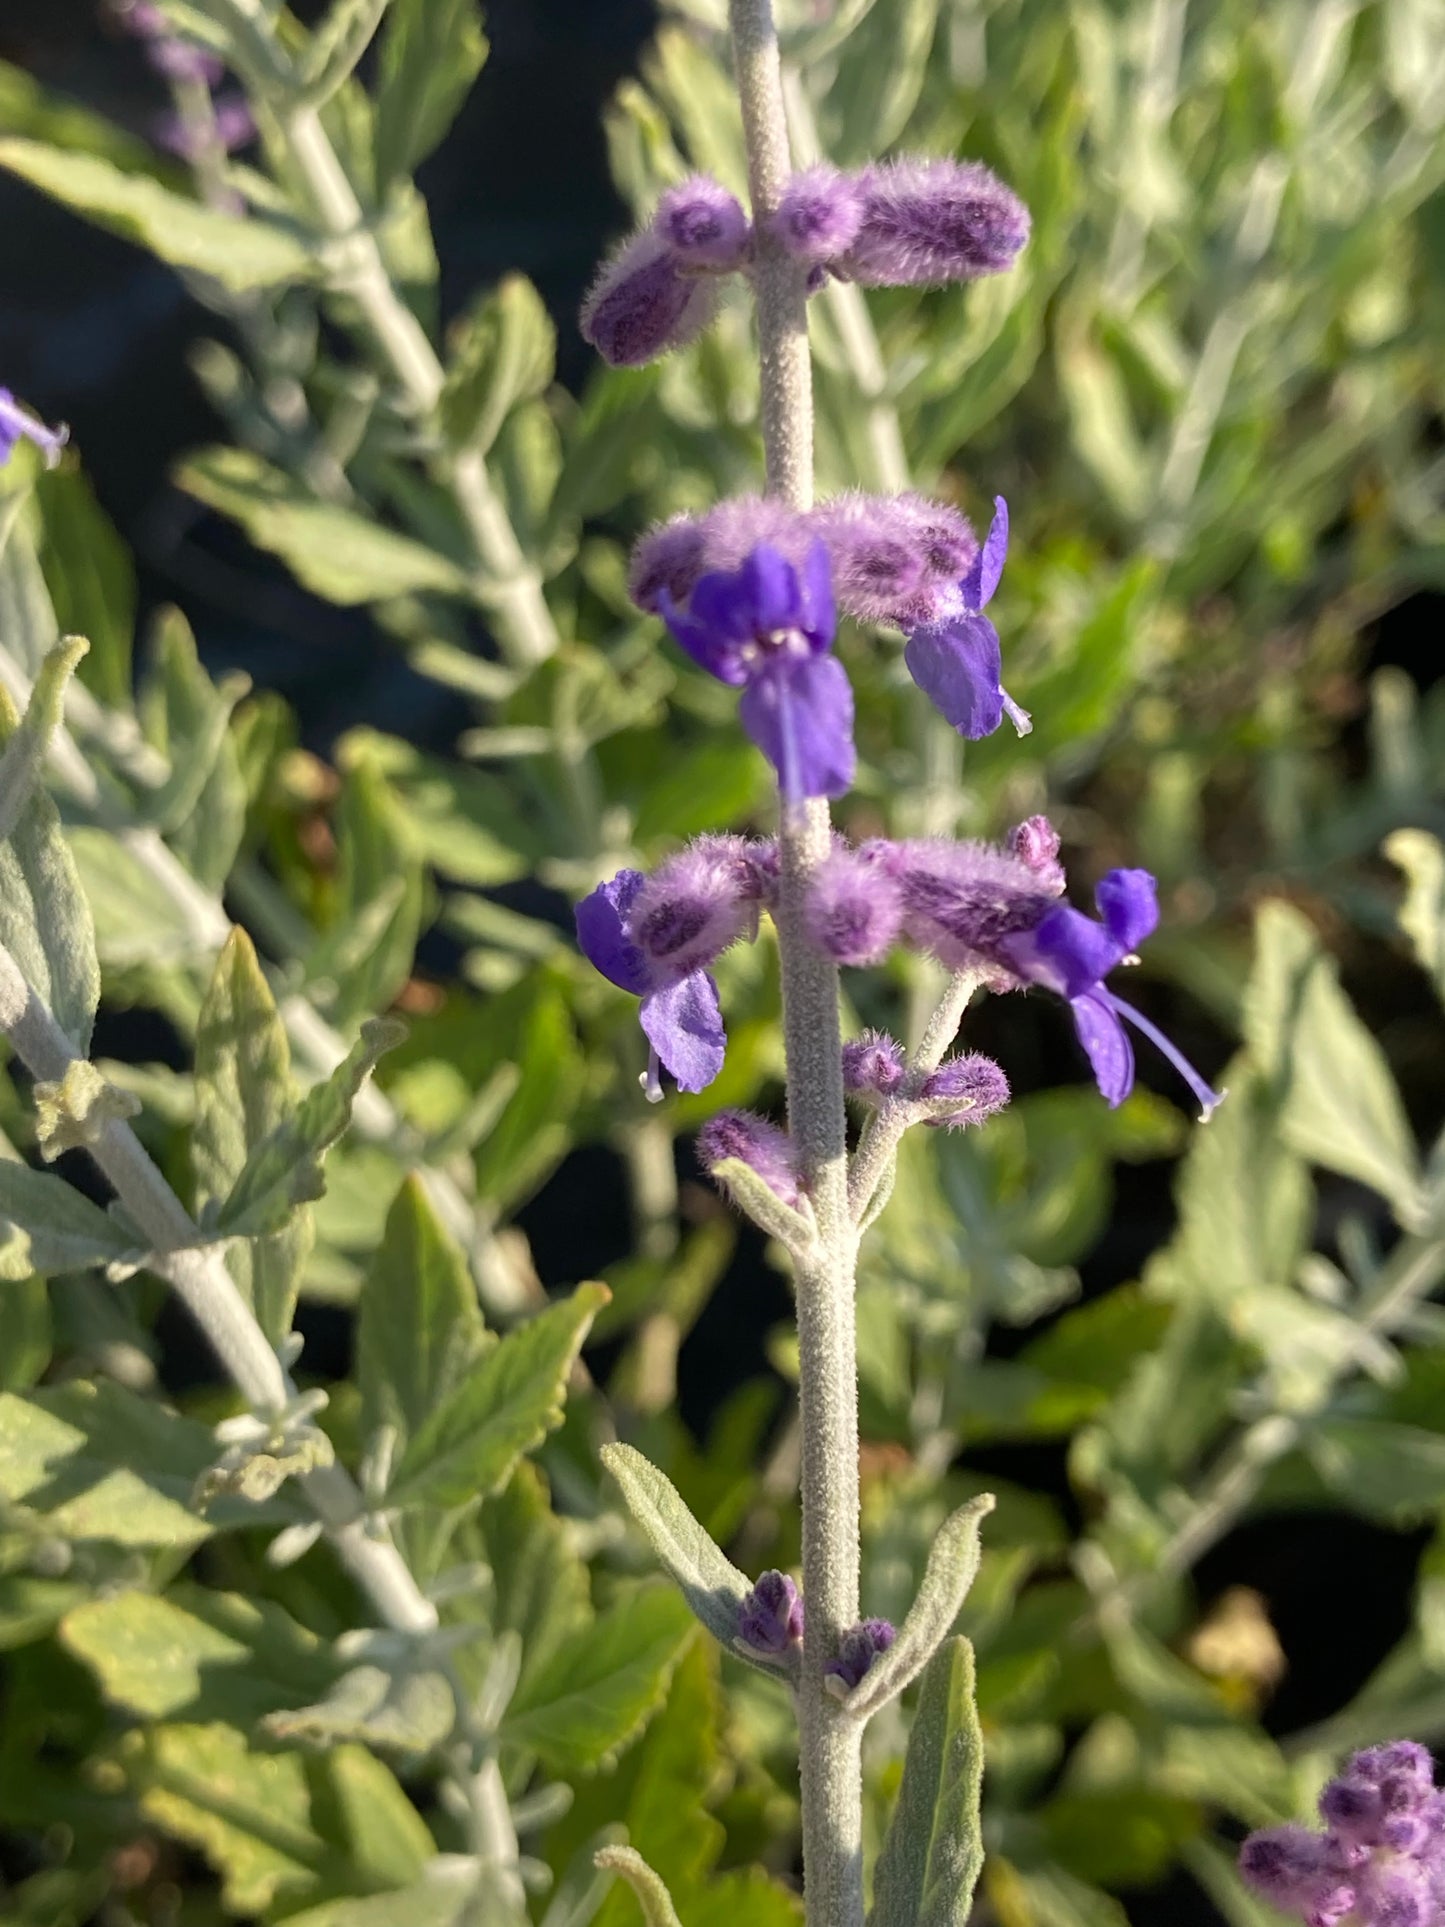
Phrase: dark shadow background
[95,333]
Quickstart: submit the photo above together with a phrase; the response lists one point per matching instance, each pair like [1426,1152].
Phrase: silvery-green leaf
[337,45]
[762,1204]
[934,1847]
[406,1709]
[709,1581]
[141,207]
[501,353]
[243,1093]
[1422,914]
[90,576]
[47,1226]
[201,806]
[432,52]
[1338,1103]
[953,1563]
[652,1896]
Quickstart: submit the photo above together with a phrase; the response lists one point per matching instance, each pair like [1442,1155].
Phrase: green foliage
[931,1858]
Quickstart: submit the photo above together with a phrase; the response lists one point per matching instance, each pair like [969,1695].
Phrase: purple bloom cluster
[181,61]
[899,559]
[858,1649]
[16,425]
[902,223]
[1380,1861]
[770,1618]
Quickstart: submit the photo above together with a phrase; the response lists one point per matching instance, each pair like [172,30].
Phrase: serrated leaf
[243,1092]
[284,1170]
[500,353]
[433,51]
[652,1896]
[47,1226]
[540,1587]
[45,921]
[196,1655]
[97,1462]
[411,1710]
[1338,1103]
[419,1331]
[507,1403]
[953,1562]
[934,1846]
[336,553]
[595,1693]
[141,207]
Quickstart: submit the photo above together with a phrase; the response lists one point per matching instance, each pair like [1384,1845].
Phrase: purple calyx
[857,1650]
[770,1619]
[757,1142]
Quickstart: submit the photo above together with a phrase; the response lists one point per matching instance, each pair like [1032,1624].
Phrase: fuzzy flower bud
[818,215]
[926,222]
[853,909]
[1035,842]
[877,570]
[858,1649]
[966,1089]
[692,908]
[758,1143]
[642,306]
[873,1064]
[771,1616]
[703,224]
[670,560]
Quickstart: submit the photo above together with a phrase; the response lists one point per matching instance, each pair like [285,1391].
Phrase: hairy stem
[879,1144]
[830,1740]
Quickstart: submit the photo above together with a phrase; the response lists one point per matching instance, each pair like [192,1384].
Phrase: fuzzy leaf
[934,1847]
[433,51]
[503,352]
[540,1584]
[952,1568]
[507,1403]
[201,806]
[47,1226]
[652,1897]
[758,1199]
[243,1093]
[142,208]
[90,576]
[336,553]
[284,1169]
[409,1710]
[599,1688]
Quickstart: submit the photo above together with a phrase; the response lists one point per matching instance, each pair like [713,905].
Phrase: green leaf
[710,1582]
[409,1709]
[90,576]
[45,921]
[1422,914]
[1383,1470]
[880,75]
[953,1562]
[433,51]
[530,1026]
[201,806]
[652,1896]
[466,823]
[1338,1103]
[502,352]
[47,1226]
[137,919]
[337,46]
[243,1093]
[540,1587]
[99,1462]
[934,1846]
[506,1404]
[284,1169]
[419,1331]
[196,1655]
[25,1331]
[336,553]
[597,1691]
[367,956]
[141,207]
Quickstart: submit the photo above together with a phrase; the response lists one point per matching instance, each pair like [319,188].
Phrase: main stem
[830,1750]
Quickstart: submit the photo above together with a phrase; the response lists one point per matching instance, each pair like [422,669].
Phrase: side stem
[830,1750]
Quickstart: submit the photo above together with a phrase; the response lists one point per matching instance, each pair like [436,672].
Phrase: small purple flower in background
[703,224]
[232,127]
[853,909]
[1072,954]
[873,1064]
[16,425]
[966,1089]
[925,222]
[767,628]
[166,52]
[770,1618]
[642,304]
[759,1143]
[956,659]
[819,215]
[858,1649]
[1380,1861]
[655,937]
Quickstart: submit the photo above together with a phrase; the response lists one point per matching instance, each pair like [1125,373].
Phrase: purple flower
[703,224]
[15,424]
[1072,954]
[956,658]
[771,1616]
[643,305]
[655,937]
[925,222]
[759,1143]
[966,1089]
[877,568]
[819,215]
[767,628]
[233,127]
[674,557]
[873,1064]
[963,901]
[857,1650]
[853,908]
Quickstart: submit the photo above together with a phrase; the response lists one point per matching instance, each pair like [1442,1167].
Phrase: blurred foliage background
[1203,1371]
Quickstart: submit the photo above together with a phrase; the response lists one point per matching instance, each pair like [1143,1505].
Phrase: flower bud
[852,909]
[926,222]
[642,306]
[703,224]
[858,1649]
[771,1616]
[966,1089]
[818,215]
[873,1064]
[758,1143]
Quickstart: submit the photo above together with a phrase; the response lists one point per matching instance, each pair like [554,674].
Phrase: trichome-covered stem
[830,1740]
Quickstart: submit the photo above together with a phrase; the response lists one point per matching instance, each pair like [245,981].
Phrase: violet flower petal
[717,651]
[800,715]
[683,1023]
[1075,951]
[601,933]
[818,619]
[1128,902]
[983,576]
[957,666]
[1104,1039]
